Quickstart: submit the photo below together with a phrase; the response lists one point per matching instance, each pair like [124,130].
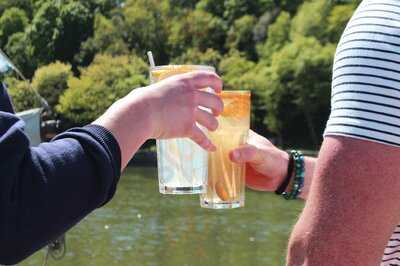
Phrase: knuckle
[191,98]
[189,126]
[188,81]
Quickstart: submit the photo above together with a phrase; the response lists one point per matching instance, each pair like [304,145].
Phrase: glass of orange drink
[226,180]
[182,164]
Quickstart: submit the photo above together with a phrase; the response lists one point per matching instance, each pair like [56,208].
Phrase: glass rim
[232,92]
[195,67]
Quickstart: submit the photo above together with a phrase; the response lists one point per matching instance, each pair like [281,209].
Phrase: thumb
[246,154]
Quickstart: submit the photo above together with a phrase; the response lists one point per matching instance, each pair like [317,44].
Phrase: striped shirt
[366,85]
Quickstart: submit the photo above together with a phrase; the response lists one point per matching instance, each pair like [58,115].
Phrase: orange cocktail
[226,180]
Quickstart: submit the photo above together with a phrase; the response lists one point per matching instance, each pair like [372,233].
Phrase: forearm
[348,217]
[129,121]
[309,166]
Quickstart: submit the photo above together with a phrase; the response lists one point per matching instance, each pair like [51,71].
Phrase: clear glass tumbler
[182,164]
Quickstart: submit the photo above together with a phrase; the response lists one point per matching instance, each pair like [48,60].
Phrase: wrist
[146,108]
[128,120]
[283,166]
[140,111]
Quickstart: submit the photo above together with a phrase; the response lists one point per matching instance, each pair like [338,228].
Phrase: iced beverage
[226,180]
[182,164]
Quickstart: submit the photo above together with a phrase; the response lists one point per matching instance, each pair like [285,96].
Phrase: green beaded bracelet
[298,181]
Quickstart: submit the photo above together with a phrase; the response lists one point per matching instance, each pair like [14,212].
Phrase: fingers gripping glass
[182,164]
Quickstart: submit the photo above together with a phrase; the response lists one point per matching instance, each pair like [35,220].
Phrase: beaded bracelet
[298,181]
[285,183]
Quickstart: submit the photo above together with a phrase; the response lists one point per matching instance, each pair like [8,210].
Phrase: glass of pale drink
[182,164]
[226,180]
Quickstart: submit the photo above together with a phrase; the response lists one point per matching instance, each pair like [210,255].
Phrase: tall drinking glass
[226,180]
[182,164]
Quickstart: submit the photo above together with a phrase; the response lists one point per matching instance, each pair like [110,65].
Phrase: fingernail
[236,155]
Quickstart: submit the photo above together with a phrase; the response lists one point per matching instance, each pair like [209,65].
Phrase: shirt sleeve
[46,190]
[366,78]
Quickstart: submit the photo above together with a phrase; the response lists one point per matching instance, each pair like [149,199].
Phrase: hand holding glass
[182,164]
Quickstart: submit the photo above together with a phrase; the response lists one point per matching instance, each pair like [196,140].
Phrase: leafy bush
[278,36]
[107,39]
[298,90]
[198,29]
[240,36]
[51,81]
[239,73]
[22,96]
[106,80]
[195,57]
[12,21]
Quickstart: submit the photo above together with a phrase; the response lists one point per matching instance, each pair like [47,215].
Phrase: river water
[142,227]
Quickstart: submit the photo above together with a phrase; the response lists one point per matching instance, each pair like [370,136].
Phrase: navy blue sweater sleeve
[46,190]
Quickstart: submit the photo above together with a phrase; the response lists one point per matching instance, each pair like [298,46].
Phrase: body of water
[142,227]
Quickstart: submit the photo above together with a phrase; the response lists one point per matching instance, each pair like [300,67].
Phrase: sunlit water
[142,227]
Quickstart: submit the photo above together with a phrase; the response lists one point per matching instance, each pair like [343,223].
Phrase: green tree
[298,90]
[195,57]
[26,5]
[106,80]
[290,6]
[183,3]
[238,73]
[260,30]
[235,9]
[217,8]
[107,39]
[146,27]
[20,51]
[311,19]
[75,26]
[240,36]
[57,31]
[104,7]
[51,81]
[197,29]
[12,21]
[337,21]
[22,95]
[44,31]
[278,37]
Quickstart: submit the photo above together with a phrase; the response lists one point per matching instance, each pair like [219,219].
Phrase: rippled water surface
[142,227]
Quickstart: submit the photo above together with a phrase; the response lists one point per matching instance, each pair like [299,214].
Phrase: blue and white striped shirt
[366,85]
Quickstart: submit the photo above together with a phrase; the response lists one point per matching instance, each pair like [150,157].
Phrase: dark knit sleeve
[46,190]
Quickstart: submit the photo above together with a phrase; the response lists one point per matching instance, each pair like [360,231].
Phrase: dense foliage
[84,54]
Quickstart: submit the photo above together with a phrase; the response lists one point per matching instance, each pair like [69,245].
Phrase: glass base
[222,205]
[182,190]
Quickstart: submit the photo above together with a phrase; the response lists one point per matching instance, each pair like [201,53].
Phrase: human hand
[174,106]
[167,109]
[266,165]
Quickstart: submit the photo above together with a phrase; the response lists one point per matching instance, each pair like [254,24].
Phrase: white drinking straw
[151,59]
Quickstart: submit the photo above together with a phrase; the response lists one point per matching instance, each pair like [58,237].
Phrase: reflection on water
[142,227]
